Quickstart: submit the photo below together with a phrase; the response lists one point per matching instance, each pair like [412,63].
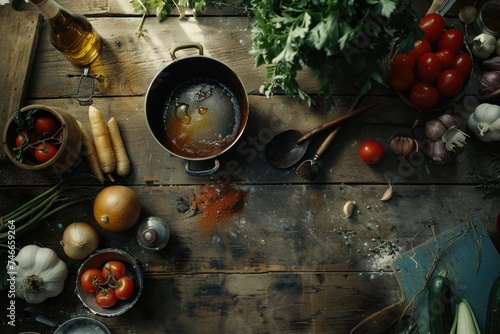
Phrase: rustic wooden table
[286,261]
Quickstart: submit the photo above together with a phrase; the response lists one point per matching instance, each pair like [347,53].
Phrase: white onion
[79,240]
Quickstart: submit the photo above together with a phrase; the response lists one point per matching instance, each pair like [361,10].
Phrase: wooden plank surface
[20,31]
[285,260]
[340,164]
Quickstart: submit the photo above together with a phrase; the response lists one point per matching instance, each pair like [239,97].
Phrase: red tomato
[125,288]
[429,67]
[371,152]
[419,48]
[45,124]
[450,83]
[432,26]
[22,138]
[106,298]
[403,60]
[90,279]
[44,152]
[446,57]
[463,64]
[116,268]
[424,96]
[401,79]
[451,39]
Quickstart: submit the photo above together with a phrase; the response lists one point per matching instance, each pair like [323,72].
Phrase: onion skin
[117,208]
[79,240]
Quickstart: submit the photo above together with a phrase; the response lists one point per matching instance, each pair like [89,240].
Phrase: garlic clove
[387,194]
[438,153]
[348,208]
[402,145]
[434,129]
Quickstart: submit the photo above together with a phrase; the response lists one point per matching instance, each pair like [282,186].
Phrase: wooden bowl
[69,149]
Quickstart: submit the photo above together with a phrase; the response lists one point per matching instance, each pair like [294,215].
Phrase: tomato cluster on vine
[436,69]
[38,135]
[109,284]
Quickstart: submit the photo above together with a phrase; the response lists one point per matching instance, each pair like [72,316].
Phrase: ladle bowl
[283,151]
[289,146]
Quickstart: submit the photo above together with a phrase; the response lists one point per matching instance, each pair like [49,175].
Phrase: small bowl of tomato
[109,282]
[436,72]
[42,138]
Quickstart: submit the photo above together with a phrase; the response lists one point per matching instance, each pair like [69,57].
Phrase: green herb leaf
[343,42]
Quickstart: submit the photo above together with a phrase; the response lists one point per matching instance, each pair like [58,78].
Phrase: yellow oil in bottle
[71,34]
[79,43]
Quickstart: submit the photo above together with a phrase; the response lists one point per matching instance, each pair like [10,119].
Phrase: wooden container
[69,149]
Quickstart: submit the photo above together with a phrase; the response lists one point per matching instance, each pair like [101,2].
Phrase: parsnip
[122,160]
[104,150]
[90,153]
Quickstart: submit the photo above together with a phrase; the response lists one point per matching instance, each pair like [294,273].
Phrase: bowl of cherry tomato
[109,282]
[436,72]
[42,138]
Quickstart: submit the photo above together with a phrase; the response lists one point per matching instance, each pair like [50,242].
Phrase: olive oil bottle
[71,34]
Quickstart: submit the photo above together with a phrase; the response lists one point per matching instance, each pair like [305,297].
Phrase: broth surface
[201,118]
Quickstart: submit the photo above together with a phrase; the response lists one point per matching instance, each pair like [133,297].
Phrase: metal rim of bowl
[131,261]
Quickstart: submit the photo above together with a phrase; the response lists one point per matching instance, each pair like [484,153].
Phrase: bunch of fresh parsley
[341,41]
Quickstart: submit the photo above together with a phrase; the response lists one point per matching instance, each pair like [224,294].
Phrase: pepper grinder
[153,233]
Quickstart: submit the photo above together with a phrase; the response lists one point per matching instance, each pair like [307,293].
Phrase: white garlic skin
[483,46]
[484,122]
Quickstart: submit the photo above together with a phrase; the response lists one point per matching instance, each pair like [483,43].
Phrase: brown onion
[79,240]
[117,208]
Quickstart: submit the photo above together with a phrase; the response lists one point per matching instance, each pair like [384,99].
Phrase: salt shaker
[153,233]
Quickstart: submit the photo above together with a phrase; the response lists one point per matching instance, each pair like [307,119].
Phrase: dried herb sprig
[491,180]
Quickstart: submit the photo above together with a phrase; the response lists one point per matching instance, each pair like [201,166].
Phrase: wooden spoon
[288,147]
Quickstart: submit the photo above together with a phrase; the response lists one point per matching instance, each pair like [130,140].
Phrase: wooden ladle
[288,147]
[309,169]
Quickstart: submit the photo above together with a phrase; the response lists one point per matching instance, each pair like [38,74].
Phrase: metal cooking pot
[196,108]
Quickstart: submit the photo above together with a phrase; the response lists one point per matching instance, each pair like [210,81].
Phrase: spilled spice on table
[217,203]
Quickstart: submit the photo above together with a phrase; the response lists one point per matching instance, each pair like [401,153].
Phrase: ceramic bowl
[98,260]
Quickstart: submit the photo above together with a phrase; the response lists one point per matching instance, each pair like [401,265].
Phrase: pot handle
[188,45]
[207,172]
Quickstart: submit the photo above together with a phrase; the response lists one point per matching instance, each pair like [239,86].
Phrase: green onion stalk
[28,216]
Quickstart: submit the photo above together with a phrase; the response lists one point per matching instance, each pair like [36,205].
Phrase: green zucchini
[493,312]
[439,303]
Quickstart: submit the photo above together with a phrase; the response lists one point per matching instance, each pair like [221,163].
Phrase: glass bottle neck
[49,8]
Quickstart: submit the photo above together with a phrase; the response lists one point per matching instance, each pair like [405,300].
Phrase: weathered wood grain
[288,255]
[236,303]
[287,261]
[227,39]
[20,30]
[246,162]
[286,228]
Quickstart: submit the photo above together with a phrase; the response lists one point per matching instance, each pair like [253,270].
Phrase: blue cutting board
[472,263]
